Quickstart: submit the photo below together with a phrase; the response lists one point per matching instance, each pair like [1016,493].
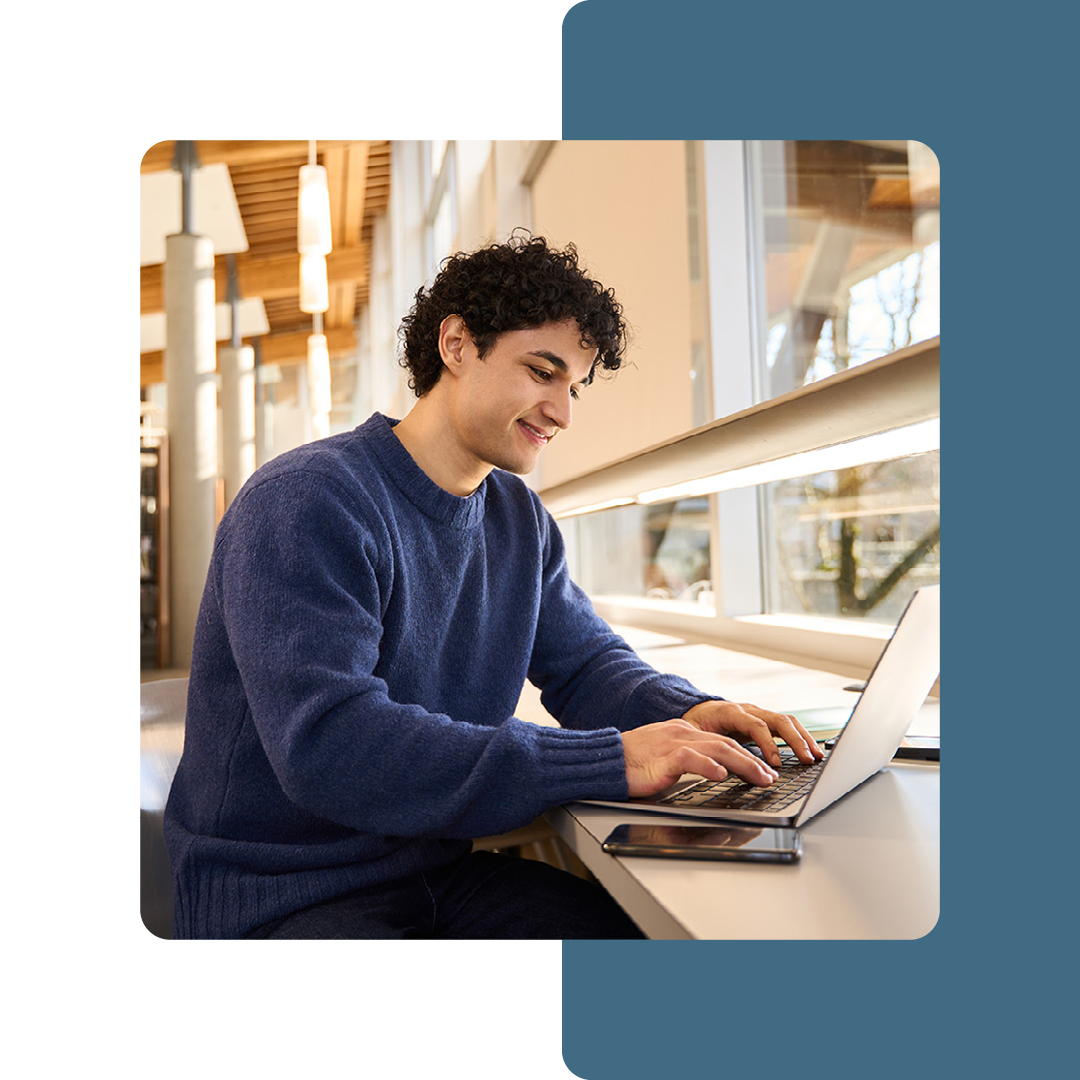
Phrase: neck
[431,439]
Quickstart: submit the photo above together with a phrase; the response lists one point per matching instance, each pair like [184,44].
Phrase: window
[816,261]
[671,565]
[852,542]
[440,210]
[845,255]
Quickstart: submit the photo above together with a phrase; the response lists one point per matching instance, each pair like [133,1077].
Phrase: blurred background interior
[763,475]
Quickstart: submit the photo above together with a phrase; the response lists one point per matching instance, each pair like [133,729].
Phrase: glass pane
[438,152]
[442,232]
[846,257]
[854,542]
[661,552]
[846,254]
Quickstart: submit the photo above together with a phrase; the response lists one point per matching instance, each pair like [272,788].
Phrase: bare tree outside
[861,551]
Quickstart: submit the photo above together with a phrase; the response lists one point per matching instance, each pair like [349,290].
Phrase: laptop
[903,676]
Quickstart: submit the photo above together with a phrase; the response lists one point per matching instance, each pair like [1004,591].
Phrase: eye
[545,376]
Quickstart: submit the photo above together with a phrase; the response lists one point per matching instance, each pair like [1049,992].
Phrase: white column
[265,377]
[192,411]
[303,396]
[237,416]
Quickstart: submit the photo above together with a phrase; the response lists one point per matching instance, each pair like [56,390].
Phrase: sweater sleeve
[589,677]
[300,578]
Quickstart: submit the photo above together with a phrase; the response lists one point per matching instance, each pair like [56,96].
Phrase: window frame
[439,191]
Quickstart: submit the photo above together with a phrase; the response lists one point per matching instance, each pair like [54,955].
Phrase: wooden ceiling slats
[262,233]
[283,174]
[352,217]
[270,277]
[266,182]
[288,213]
[238,153]
[266,192]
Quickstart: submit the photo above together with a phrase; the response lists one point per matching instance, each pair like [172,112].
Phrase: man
[374,603]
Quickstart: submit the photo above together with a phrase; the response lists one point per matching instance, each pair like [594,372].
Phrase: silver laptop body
[903,676]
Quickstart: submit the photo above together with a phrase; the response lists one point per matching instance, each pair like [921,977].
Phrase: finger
[660,773]
[800,740]
[717,760]
[750,722]
[811,742]
[738,760]
[791,731]
[757,728]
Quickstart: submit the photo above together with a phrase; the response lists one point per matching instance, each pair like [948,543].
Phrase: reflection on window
[853,542]
[661,552]
[847,255]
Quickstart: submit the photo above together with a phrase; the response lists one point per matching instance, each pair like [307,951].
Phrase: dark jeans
[483,895]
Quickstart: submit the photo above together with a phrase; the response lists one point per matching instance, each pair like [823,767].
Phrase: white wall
[623,204]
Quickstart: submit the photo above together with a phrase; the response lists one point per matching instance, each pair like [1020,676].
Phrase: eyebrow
[560,363]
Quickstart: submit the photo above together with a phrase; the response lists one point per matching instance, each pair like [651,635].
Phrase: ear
[453,337]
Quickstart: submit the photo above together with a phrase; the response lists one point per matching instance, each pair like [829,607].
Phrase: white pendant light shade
[314,226]
[318,358]
[314,287]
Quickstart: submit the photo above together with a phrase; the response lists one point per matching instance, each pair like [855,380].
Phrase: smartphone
[724,842]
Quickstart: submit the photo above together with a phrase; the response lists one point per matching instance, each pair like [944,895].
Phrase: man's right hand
[658,754]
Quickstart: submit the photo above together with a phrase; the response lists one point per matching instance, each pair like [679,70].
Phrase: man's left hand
[749,723]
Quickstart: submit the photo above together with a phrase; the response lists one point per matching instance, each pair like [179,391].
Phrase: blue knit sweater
[361,645]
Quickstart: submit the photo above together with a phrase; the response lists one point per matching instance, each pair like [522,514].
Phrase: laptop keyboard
[795,781]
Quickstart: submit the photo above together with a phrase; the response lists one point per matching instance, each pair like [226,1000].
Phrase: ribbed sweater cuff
[672,698]
[582,764]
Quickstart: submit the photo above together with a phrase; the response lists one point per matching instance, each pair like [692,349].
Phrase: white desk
[869,869]
[870,862]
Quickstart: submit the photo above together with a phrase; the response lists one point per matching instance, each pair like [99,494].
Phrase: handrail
[892,391]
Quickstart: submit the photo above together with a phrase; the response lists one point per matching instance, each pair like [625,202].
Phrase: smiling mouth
[535,434]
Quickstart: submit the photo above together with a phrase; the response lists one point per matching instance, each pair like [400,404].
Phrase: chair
[537,841]
[161,740]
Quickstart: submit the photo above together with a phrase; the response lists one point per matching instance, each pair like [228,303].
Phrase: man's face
[511,403]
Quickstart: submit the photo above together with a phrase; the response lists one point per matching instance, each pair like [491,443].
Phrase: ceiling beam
[270,278]
[346,178]
[291,348]
[281,349]
[160,156]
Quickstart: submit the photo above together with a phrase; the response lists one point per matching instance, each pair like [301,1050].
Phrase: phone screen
[766,844]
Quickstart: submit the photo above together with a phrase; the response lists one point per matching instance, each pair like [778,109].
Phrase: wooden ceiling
[266,179]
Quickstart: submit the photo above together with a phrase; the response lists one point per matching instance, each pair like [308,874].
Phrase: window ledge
[847,627]
[848,647]
[621,602]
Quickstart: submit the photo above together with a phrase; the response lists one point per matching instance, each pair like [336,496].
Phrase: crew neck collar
[454,510]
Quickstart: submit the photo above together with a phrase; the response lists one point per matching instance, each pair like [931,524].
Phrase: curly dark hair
[515,285]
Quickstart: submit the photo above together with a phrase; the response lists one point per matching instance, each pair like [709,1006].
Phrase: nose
[558,407]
